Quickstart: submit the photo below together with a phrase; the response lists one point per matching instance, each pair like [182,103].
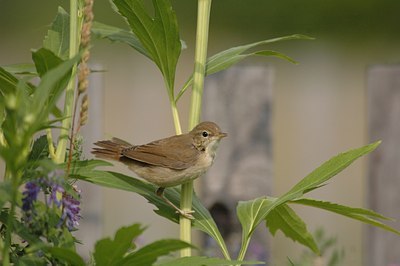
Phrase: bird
[169,161]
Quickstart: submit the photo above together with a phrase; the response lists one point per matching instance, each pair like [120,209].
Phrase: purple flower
[53,184]
[30,195]
[56,194]
[71,210]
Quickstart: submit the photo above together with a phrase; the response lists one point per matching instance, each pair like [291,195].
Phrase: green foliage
[159,35]
[57,38]
[118,35]
[201,261]
[362,215]
[203,220]
[285,219]
[122,250]
[234,55]
[109,252]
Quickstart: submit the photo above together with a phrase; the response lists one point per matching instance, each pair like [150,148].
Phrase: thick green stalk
[203,18]
[76,17]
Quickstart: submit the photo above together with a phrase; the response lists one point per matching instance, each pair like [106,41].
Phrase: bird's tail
[110,149]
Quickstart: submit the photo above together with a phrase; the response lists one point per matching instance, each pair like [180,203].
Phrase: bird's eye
[204,134]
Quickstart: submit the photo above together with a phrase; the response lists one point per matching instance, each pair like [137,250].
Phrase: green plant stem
[203,18]
[175,115]
[75,25]
[15,178]
[243,248]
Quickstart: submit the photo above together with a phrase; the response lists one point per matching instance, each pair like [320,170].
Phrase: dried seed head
[84,110]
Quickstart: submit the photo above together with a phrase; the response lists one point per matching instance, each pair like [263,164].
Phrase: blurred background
[319,106]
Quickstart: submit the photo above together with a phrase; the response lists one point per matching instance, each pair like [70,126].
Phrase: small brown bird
[167,162]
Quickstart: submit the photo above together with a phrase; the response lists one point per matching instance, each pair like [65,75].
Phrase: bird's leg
[186,214]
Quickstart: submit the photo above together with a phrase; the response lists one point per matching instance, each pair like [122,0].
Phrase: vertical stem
[75,24]
[175,115]
[15,179]
[203,18]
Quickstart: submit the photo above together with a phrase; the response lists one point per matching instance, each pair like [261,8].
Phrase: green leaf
[159,35]
[201,261]
[326,171]
[118,35]
[229,57]
[39,149]
[50,88]
[275,54]
[29,260]
[57,38]
[22,69]
[149,254]
[285,219]
[8,82]
[45,60]
[111,252]
[203,220]
[5,192]
[363,215]
[20,230]
[87,165]
[252,212]
[66,255]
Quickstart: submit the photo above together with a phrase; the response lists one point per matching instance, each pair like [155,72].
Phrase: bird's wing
[178,155]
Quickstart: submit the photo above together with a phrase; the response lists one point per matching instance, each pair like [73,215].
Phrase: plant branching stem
[203,18]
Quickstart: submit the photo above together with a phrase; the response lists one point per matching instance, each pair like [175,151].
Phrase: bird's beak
[222,135]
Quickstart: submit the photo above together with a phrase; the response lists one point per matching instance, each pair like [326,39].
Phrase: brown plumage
[167,162]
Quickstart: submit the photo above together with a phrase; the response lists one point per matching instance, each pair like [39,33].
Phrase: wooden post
[384,164]
[240,101]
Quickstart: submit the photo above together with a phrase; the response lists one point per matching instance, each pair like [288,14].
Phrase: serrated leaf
[252,212]
[118,35]
[203,220]
[111,252]
[57,38]
[229,57]
[159,35]
[201,261]
[363,215]
[149,254]
[285,219]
